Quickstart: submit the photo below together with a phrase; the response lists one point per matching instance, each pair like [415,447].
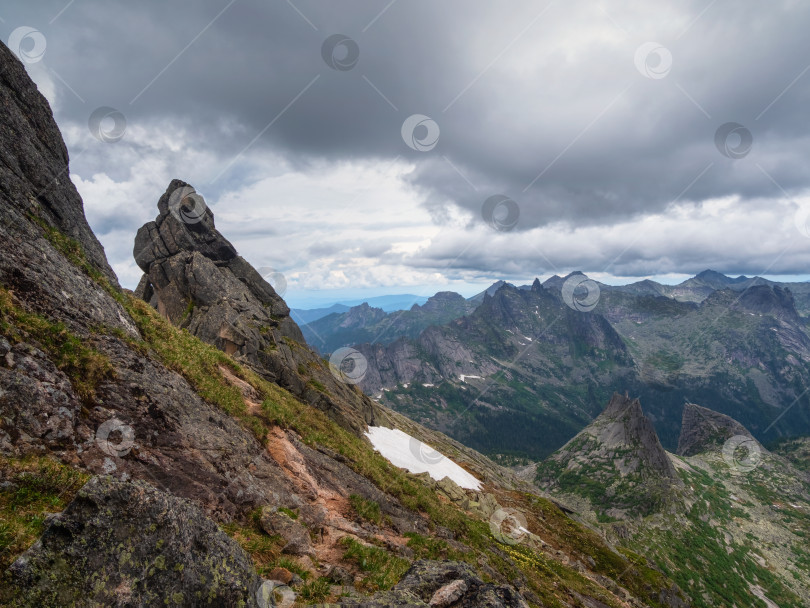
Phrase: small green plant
[288,512]
[318,385]
[425,547]
[365,508]
[292,566]
[315,591]
[383,569]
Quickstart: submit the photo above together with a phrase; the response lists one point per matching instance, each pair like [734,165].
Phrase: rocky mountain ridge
[365,323]
[521,347]
[745,352]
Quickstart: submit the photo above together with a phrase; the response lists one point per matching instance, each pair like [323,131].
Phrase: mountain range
[524,371]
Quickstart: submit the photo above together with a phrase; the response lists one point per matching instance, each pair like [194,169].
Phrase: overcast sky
[354,145]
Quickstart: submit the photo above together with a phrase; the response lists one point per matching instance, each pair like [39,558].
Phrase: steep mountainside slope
[155,468]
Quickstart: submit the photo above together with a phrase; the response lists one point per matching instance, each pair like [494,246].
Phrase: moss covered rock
[128,544]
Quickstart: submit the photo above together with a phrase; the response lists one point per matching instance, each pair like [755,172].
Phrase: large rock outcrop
[195,278]
[128,544]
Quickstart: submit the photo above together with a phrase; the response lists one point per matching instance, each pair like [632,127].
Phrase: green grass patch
[85,367]
[314,591]
[366,509]
[382,569]
[38,486]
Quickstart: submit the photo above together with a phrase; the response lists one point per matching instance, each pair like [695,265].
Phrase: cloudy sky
[357,146]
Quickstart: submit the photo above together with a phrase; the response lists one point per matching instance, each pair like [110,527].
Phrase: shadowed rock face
[128,544]
[195,278]
[703,429]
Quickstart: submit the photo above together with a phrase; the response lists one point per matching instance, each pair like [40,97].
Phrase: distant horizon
[310,299]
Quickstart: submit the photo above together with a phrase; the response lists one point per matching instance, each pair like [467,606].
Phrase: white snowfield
[406,452]
[463,378]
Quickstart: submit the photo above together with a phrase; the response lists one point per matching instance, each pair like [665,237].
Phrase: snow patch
[462,377]
[428,385]
[406,452]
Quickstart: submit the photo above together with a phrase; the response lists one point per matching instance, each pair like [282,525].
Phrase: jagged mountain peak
[703,429]
[619,454]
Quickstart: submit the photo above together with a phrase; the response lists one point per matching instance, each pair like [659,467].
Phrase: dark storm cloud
[539,101]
